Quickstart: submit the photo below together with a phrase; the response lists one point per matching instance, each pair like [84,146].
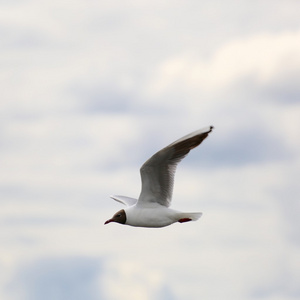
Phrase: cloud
[264,59]
[129,279]
[242,146]
[58,278]
[81,277]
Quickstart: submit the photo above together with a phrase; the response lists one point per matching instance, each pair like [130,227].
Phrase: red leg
[184,220]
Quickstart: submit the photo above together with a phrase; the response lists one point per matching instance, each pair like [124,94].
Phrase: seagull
[151,209]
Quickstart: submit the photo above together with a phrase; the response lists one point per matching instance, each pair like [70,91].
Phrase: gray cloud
[244,146]
[58,278]
[79,277]
[287,195]
[102,99]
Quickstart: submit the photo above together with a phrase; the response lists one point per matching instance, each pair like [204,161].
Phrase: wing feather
[158,172]
[124,200]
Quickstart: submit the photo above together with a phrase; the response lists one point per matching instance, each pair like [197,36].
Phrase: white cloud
[262,58]
[129,280]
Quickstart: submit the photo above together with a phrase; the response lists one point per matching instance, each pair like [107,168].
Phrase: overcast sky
[91,89]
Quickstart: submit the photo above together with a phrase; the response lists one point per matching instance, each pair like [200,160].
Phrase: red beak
[108,221]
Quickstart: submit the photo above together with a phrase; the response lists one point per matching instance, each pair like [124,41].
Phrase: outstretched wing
[124,200]
[158,172]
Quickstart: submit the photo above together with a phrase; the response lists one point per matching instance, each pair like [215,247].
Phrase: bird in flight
[151,209]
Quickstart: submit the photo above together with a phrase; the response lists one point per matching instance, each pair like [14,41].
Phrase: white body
[156,215]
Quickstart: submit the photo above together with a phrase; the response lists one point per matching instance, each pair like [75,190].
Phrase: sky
[91,89]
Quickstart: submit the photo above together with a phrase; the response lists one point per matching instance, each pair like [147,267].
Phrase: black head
[118,217]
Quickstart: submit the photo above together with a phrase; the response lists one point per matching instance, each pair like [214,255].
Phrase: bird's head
[118,217]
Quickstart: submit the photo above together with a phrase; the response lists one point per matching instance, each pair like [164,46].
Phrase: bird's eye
[118,216]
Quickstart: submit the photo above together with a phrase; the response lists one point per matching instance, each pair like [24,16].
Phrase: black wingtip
[211,128]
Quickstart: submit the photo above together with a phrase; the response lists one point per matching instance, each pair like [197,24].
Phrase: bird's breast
[150,217]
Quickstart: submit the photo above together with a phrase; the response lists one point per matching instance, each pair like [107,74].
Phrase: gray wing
[124,200]
[158,172]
